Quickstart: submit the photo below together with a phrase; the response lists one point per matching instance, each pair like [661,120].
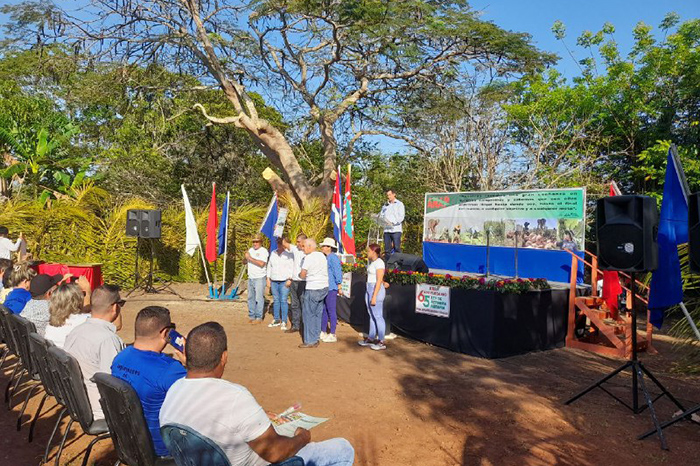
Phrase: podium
[376,229]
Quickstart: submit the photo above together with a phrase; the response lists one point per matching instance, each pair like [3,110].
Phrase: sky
[536,17]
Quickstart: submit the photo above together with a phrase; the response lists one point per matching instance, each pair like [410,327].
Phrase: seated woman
[67,312]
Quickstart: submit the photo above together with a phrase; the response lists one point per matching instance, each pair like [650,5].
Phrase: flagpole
[223,278]
[690,320]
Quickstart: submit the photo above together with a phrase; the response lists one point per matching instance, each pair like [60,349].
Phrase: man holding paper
[229,415]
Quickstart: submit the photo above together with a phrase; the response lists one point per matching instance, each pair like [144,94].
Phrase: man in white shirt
[227,413]
[280,269]
[393,212]
[314,269]
[256,257]
[298,284]
[7,247]
[95,342]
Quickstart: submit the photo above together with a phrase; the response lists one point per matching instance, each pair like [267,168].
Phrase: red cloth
[611,282]
[212,227]
[93,272]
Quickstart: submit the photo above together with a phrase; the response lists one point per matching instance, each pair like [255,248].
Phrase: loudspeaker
[694,232]
[143,223]
[406,263]
[627,227]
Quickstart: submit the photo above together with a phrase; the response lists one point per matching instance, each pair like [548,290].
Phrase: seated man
[37,309]
[228,414]
[147,369]
[95,342]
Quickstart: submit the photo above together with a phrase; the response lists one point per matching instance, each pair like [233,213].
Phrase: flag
[348,233]
[336,209]
[223,227]
[666,287]
[212,227]
[192,240]
[268,227]
[611,280]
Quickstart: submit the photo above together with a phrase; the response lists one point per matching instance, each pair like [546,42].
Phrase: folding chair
[39,349]
[21,328]
[69,376]
[190,448]
[11,347]
[127,425]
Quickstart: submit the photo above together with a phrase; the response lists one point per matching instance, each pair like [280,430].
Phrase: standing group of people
[313,280]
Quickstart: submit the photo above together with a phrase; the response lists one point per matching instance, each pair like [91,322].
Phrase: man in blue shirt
[148,370]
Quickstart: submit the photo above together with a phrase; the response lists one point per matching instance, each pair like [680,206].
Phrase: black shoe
[292,330]
[306,345]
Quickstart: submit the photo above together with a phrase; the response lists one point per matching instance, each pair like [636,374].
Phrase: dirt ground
[414,404]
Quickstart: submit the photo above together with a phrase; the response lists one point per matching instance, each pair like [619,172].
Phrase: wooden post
[594,276]
[570,334]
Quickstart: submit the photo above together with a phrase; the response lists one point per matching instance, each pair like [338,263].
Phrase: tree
[331,64]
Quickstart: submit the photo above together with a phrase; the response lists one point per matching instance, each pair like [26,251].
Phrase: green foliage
[90,228]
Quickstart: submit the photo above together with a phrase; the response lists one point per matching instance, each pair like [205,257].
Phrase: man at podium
[393,213]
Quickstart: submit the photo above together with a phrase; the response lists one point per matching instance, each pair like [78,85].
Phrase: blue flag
[223,228]
[268,228]
[666,287]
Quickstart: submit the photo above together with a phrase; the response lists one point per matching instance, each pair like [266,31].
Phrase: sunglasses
[172,326]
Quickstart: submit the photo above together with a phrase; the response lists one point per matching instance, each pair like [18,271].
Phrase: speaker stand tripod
[638,372]
[145,283]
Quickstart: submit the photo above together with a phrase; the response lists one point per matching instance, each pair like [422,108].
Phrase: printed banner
[433,300]
[346,284]
[540,219]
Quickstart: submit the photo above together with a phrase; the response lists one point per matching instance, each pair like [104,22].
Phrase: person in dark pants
[335,279]
[298,284]
[393,213]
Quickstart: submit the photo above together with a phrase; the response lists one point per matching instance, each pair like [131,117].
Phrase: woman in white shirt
[375,299]
[280,269]
[66,309]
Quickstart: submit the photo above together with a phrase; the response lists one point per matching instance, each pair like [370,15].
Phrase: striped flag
[348,234]
[336,212]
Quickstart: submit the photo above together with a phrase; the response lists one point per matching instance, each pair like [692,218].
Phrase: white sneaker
[323,336]
[378,346]
[283,327]
[391,336]
[365,342]
[275,323]
[330,338]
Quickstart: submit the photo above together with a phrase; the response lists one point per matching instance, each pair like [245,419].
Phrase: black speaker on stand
[145,225]
[627,227]
[694,266]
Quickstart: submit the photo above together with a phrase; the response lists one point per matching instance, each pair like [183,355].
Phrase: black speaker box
[143,223]
[627,228]
[406,263]
[694,232]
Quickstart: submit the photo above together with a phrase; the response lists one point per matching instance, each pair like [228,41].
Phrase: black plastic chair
[39,348]
[190,448]
[11,346]
[69,376]
[21,328]
[127,425]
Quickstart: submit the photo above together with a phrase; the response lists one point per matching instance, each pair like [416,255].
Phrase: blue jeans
[392,242]
[280,307]
[333,452]
[377,325]
[311,312]
[256,297]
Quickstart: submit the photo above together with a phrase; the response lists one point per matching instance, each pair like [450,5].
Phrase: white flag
[192,240]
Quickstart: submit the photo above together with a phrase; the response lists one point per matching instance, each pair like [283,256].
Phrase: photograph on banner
[433,300]
[281,220]
[540,218]
[346,284]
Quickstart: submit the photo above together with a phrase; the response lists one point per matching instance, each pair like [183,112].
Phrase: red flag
[611,281]
[348,233]
[212,227]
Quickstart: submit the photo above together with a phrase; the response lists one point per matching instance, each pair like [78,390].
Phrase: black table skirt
[486,324]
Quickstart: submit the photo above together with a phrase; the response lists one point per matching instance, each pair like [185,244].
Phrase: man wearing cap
[37,309]
[314,269]
[335,279]
[256,258]
[95,342]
